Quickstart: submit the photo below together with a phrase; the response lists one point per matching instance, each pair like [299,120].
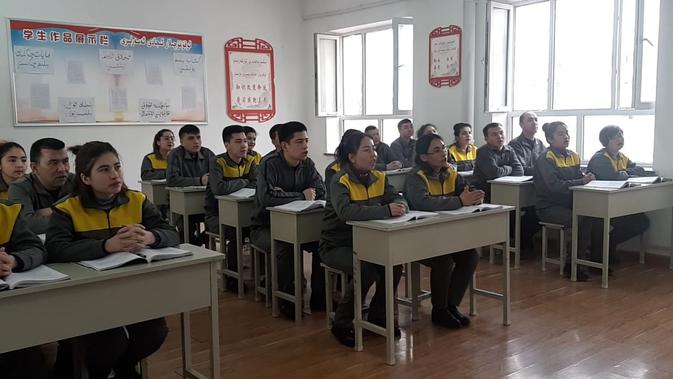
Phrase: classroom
[361,188]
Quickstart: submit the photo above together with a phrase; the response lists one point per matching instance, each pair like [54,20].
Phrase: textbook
[147,255]
[644,180]
[39,275]
[471,209]
[399,170]
[607,184]
[410,216]
[513,179]
[301,205]
[243,193]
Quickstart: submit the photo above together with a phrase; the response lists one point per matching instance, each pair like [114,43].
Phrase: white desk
[235,212]
[609,203]
[155,190]
[518,195]
[296,229]
[122,296]
[390,245]
[187,201]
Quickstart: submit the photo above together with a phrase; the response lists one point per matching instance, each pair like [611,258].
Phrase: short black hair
[230,130]
[274,131]
[7,146]
[350,143]
[189,129]
[44,143]
[371,127]
[287,131]
[550,128]
[402,122]
[421,130]
[459,126]
[249,129]
[490,125]
[157,138]
[608,133]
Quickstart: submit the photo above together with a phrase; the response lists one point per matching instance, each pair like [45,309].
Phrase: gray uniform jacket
[33,196]
[492,164]
[186,169]
[527,151]
[404,151]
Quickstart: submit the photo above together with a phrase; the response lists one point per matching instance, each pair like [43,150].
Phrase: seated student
[251,135]
[526,147]
[385,158]
[12,166]
[188,166]
[50,179]
[284,177]
[403,147]
[229,172]
[494,159]
[273,134]
[101,217]
[20,250]
[425,129]
[610,164]
[556,171]
[334,166]
[463,152]
[358,192]
[155,163]
[434,185]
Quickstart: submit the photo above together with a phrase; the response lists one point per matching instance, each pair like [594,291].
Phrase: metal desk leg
[274,279]
[214,325]
[298,271]
[506,306]
[573,260]
[517,237]
[239,260]
[390,315]
[606,251]
[357,295]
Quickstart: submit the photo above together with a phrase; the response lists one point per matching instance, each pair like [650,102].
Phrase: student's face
[106,178]
[364,159]
[464,138]
[166,141]
[437,155]
[529,123]
[429,130]
[297,148]
[406,130]
[252,140]
[13,164]
[561,138]
[191,142]
[375,135]
[616,143]
[237,146]
[52,168]
[495,137]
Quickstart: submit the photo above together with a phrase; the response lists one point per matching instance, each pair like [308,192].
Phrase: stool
[412,284]
[330,287]
[562,246]
[259,254]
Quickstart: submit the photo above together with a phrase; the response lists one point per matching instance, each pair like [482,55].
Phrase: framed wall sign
[444,66]
[251,91]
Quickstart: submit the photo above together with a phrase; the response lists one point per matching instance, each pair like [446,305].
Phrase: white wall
[278,22]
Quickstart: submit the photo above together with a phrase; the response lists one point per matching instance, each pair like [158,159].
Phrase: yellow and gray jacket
[464,161]
[227,176]
[257,157]
[17,239]
[555,172]
[355,198]
[620,168]
[331,170]
[433,192]
[153,167]
[80,226]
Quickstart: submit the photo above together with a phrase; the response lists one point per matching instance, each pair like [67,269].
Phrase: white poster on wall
[444,55]
[154,110]
[185,64]
[76,109]
[114,61]
[33,60]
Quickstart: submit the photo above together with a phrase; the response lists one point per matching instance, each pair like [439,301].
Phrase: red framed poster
[251,91]
[444,65]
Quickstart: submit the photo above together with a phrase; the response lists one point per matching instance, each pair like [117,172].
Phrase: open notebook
[301,205]
[410,216]
[513,179]
[39,275]
[146,255]
[471,209]
[243,193]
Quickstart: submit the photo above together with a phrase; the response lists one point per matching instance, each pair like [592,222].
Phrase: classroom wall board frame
[445,63]
[74,74]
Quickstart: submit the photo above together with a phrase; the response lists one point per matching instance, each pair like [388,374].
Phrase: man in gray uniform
[527,148]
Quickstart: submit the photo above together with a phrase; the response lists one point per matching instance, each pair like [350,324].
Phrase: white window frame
[492,5]
[319,81]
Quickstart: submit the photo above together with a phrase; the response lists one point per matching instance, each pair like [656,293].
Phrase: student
[50,179]
[463,152]
[273,134]
[434,185]
[611,164]
[12,166]
[527,148]
[102,217]
[494,159]
[357,193]
[229,172]
[155,163]
[385,158]
[425,129]
[20,250]
[188,166]
[284,177]
[403,147]
[556,171]
[334,167]
[251,135]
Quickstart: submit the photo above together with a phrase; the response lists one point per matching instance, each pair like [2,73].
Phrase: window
[581,62]
[370,71]
[499,44]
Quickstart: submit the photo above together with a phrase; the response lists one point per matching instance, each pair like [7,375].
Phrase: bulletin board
[444,66]
[71,74]
[251,90]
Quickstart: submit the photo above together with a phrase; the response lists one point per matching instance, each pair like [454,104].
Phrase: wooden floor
[559,329]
